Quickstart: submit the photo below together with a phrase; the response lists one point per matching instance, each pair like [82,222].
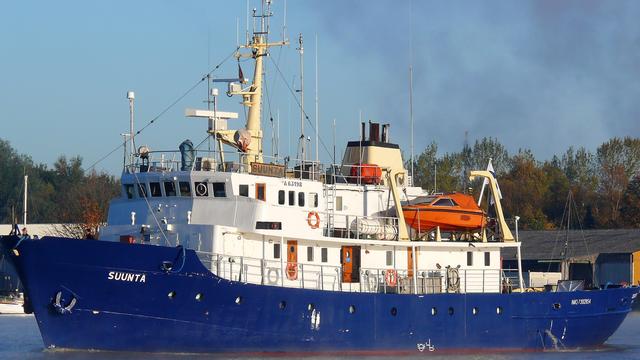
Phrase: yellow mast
[249,140]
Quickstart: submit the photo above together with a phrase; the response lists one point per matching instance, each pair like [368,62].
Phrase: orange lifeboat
[451,212]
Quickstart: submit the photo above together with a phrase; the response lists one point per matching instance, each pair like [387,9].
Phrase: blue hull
[138,314]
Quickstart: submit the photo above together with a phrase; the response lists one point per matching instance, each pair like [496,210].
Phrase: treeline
[65,193]
[604,186]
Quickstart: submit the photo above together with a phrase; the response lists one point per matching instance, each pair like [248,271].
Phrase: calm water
[20,339]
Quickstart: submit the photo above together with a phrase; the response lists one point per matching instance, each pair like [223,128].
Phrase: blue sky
[542,75]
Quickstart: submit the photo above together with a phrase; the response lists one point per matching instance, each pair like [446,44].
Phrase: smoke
[542,75]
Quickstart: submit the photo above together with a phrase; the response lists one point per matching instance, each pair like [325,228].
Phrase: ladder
[330,196]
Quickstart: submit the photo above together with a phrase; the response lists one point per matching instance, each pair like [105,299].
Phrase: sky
[540,75]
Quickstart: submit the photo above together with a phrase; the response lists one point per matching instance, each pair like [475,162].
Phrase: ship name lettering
[292,183]
[580,301]
[125,276]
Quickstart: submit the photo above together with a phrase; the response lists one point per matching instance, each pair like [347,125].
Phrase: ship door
[350,260]
[292,259]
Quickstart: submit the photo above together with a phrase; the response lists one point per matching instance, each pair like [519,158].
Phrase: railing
[211,160]
[369,280]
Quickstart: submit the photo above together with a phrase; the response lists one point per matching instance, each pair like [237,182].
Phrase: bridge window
[300,199]
[185,188]
[309,253]
[201,189]
[389,258]
[219,189]
[142,190]
[244,190]
[292,198]
[487,259]
[128,190]
[324,255]
[281,197]
[155,189]
[261,192]
[169,188]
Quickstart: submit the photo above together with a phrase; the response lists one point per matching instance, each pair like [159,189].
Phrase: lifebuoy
[201,189]
[273,280]
[313,219]
[391,277]
[292,271]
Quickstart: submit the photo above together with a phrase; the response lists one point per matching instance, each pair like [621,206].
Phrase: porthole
[434,311]
[171,294]
[556,306]
[450,311]
[282,305]
[499,310]
[311,307]
[352,309]
[199,297]
[239,300]
[475,311]
[394,311]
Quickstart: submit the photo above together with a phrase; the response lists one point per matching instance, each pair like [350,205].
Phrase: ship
[231,251]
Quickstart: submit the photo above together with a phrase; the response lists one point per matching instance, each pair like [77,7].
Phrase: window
[142,190]
[281,197]
[389,258]
[261,192]
[244,190]
[323,254]
[169,188]
[219,189]
[487,259]
[155,189]
[292,198]
[128,190]
[339,203]
[276,251]
[185,188]
[268,225]
[469,258]
[300,199]
[313,199]
[444,202]
[201,189]
[309,253]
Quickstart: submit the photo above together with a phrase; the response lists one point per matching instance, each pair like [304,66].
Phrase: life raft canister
[313,219]
[391,277]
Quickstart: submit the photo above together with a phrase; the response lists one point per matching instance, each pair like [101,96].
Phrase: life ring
[391,277]
[292,271]
[273,280]
[201,189]
[313,219]
[62,310]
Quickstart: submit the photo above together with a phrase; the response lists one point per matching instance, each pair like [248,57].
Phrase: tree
[630,206]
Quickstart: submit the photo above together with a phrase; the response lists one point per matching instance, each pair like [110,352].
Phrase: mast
[317,129]
[303,140]
[132,147]
[24,201]
[249,140]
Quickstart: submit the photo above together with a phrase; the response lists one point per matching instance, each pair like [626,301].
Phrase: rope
[153,120]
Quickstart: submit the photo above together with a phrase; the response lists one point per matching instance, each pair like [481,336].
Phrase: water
[20,339]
